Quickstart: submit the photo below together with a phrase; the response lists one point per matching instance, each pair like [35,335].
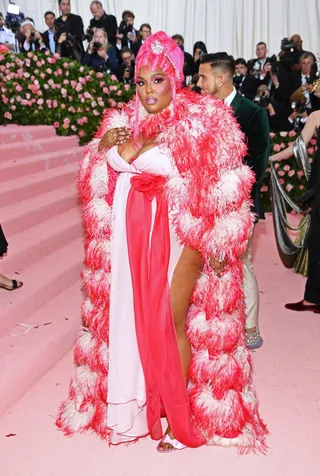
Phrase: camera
[264,100]
[299,107]
[96,46]
[237,81]
[32,35]
[62,29]
[275,64]
[124,29]
[287,45]
[14,17]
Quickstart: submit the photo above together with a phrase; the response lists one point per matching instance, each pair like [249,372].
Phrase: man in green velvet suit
[216,77]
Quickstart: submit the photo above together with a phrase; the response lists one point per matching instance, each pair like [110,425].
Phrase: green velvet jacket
[254,123]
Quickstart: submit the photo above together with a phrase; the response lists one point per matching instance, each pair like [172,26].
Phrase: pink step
[14,168]
[25,359]
[33,244]
[43,281]
[20,150]
[16,218]
[19,190]
[13,133]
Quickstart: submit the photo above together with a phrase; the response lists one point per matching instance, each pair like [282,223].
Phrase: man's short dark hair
[178,37]
[49,13]
[125,49]
[222,61]
[127,14]
[262,43]
[240,61]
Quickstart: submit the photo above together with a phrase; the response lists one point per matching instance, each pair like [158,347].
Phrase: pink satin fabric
[156,336]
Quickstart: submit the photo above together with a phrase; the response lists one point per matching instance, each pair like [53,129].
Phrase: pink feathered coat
[210,202]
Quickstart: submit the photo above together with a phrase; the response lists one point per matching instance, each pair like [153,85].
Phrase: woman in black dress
[6,283]
[311,300]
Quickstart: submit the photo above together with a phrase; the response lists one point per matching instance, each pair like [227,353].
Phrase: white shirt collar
[228,100]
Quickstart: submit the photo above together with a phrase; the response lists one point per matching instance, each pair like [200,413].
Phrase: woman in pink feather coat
[167,218]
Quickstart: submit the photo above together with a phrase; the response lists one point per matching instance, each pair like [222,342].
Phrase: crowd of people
[283,84]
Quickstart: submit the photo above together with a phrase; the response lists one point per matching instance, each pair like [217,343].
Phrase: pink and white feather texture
[211,208]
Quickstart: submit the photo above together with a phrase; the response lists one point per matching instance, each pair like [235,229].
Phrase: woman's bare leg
[182,286]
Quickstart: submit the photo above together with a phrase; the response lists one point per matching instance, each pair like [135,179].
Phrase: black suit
[249,87]
[45,37]
[36,44]
[107,23]
[73,25]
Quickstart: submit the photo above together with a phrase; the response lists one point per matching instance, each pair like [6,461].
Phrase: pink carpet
[287,370]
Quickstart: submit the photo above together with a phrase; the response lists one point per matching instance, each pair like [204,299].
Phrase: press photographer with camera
[245,83]
[256,65]
[280,115]
[127,33]
[102,20]
[100,55]
[302,84]
[29,38]
[199,50]
[126,72]
[69,33]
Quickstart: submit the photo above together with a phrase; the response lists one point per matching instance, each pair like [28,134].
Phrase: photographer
[101,56]
[245,84]
[279,112]
[30,39]
[256,65]
[101,20]
[199,49]
[127,33]
[302,84]
[126,72]
[7,38]
[69,33]
[188,60]
[144,33]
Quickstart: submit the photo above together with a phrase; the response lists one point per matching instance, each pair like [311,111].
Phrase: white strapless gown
[126,386]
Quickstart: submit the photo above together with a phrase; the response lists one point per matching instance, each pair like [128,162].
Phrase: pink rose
[96,113]
[276,148]
[272,134]
[105,90]
[289,187]
[55,103]
[79,87]
[63,106]
[112,102]
[301,187]
[49,71]
[85,119]
[42,75]
[59,71]
[313,142]
[66,81]
[19,88]
[113,88]
[113,77]
[64,92]
[310,150]
[119,93]
[286,168]
[80,122]
[281,181]
[40,102]
[93,104]
[87,95]
[26,75]
[283,134]
[65,65]
[81,133]
[56,125]
[82,80]
[281,173]
[66,120]
[264,188]
[7,115]
[99,75]
[120,105]
[13,107]
[283,145]
[65,125]
[102,83]
[81,69]
[291,173]
[73,128]
[127,87]
[300,173]
[292,133]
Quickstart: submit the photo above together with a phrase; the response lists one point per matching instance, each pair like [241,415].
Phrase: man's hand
[132,37]
[126,74]
[116,136]
[62,38]
[102,54]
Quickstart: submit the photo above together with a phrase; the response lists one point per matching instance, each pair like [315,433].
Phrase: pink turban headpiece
[160,51]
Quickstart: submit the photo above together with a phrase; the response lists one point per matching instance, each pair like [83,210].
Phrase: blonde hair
[105,45]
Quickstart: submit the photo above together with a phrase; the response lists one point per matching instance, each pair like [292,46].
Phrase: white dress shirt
[228,100]
[306,93]
[7,36]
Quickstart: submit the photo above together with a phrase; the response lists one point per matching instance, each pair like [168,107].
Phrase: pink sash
[156,336]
